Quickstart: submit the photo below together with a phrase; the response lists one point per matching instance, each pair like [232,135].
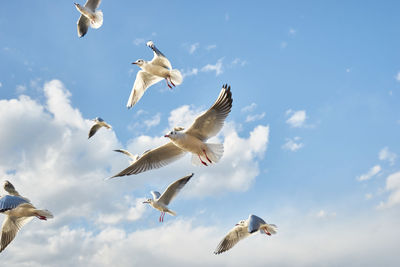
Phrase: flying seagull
[99,122]
[160,202]
[89,16]
[19,211]
[152,72]
[129,154]
[242,230]
[192,140]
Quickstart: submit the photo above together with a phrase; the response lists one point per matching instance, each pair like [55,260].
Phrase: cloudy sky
[311,145]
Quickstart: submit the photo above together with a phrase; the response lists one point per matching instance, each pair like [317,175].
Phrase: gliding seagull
[19,211]
[242,230]
[192,140]
[160,202]
[99,122]
[89,16]
[152,72]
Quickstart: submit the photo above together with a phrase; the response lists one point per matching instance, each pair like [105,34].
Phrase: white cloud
[217,67]
[292,145]
[387,155]
[154,121]
[193,47]
[392,186]
[297,118]
[20,89]
[322,214]
[139,41]
[238,61]
[249,108]
[1,84]
[371,173]
[191,72]
[292,32]
[256,117]
[212,46]
[398,76]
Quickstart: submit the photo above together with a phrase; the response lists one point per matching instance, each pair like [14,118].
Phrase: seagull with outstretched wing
[19,211]
[161,201]
[243,229]
[192,140]
[152,72]
[89,16]
[98,123]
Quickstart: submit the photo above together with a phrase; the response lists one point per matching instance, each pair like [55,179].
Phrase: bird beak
[166,135]
[134,63]
[145,202]
[236,224]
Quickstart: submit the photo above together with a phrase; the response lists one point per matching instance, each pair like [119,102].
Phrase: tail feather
[44,213]
[271,228]
[98,20]
[215,152]
[176,77]
[173,213]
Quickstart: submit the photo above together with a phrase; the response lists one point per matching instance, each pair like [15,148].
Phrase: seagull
[242,230]
[160,202]
[152,72]
[129,154]
[192,140]
[89,16]
[10,189]
[99,122]
[19,211]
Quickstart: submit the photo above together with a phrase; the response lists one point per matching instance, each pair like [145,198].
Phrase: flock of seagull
[19,210]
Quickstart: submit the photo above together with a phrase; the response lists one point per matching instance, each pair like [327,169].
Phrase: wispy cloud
[297,118]
[211,46]
[255,117]
[397,77]
[193,47]
[387,155]
[249,108]
[293,144]
[283,44]
[139,41]
[1,84]
[20,89]
[217,67]
[190,72]
[371,173]
[323,214]
[292,32]
[238,61]
[154,121]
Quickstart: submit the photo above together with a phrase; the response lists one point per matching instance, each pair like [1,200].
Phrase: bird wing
[10,189]
[173,189]
[83,25]
[123,151]
[143,81]
[155,194]
[94,129]
[159,58]
[10,228]
[9,202]
[153,159]
[231,239]
[254,223]
[210,123]
[92,4]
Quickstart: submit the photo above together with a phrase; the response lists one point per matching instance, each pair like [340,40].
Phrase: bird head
[148,201]
[139,62]
[241,223]
[171,134]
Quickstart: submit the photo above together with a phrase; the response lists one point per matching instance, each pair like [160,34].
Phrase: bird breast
[189,143]
[156,70]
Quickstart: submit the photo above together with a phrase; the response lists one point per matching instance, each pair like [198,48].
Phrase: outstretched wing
[94,129]
[82,25]
[143,81]
[153,159]
[155,194]
[9,202]
[159,58]
[92,4]
[173,189]
[211,122]
[254,223]
[231,239]
[10,228]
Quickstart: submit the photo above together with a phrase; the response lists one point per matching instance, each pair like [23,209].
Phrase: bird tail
[176,76]
[173,213]
[271,228]
[98,20]
[45,213]
[215,152]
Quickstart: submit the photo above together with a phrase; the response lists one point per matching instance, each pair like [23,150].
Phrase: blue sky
[311,143]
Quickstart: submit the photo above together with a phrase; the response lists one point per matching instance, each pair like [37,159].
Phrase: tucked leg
[202,160]
[206,156]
